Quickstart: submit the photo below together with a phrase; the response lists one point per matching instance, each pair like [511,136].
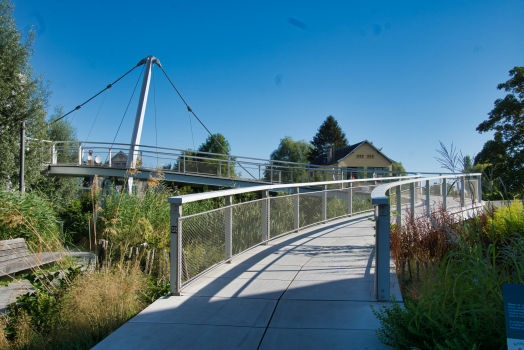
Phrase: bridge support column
[296,208]
[399,205]
[444,193]
[176,249]
[229,229]
[428,190]
[350,199]
[265,217]
[463,191]
[382,254]
[412,199]
[480,189]
[324,204]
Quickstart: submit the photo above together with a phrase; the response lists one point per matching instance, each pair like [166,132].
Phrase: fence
[189,162]
[458,192]
[203,241]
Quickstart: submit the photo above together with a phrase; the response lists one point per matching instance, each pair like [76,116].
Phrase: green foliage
[212,164]
[397,166]
[506,222]
[290,151]
[23,97]
[156,288]
[77,217]
[328,133]
[460,297]
[29,216]
[506,119]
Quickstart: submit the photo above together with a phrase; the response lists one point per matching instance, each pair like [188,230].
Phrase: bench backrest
[13,249]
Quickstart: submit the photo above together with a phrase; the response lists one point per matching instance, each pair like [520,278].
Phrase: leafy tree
[467,164]
[290,151]
[62,191]
[397,166]
[328,133]
[23,97]
[210,165]
[506,119]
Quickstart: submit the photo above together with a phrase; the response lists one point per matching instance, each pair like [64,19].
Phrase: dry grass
[88,310]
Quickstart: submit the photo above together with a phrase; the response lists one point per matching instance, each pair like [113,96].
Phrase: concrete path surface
[308,290]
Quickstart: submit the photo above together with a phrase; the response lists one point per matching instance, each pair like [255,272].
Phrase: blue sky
[402,74]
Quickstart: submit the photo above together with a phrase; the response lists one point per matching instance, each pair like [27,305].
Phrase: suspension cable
[94,121]
[191,111]
[107,87]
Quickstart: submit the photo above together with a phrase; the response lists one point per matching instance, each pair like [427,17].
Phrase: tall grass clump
[459,303]
[29,216]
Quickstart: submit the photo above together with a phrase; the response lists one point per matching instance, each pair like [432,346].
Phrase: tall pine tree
[328,133]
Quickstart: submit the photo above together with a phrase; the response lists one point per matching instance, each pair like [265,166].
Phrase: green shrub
[506,222]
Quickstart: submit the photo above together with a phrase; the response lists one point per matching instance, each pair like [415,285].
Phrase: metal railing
[172,160]
[460,192]
[200,242]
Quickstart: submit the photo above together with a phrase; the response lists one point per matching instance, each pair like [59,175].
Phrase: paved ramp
[308,290]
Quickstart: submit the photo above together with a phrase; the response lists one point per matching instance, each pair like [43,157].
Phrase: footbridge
[291,271]
[135,160]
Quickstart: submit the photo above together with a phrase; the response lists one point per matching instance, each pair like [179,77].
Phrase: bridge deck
[308,290]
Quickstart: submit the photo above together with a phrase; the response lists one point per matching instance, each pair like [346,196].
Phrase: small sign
[174,229]
[514,313]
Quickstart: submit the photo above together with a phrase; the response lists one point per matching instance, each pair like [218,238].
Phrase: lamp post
[22,157]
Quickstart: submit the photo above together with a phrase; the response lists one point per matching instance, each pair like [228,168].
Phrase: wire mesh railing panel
[203,242]
[337,204]
[281,217]
[310,209]
[247,223]
[362,198]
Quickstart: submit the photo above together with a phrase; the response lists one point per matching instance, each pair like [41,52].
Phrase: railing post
[307,169]
[176,248]
[399,205]
[428,190]
[382,270]
[228,167]
[271,177]
[259,173]
[296,208]
[219,168]
[292,179]
[53,155]
[444,193]
[109,158]
[229,229]
[412,199]
[265,216]
[350,199]
[80,154]
[462,191]
[184,163]
[324,204]
[480,189]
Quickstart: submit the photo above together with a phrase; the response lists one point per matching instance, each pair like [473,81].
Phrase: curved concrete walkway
[307,290]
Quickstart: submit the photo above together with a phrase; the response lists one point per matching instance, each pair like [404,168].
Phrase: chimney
[329,154]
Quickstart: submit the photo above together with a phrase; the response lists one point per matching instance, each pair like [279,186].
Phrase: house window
[370,156]
[359,156]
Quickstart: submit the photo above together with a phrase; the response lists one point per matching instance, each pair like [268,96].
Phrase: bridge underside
[144,174]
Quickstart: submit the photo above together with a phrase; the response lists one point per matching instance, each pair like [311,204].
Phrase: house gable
[367,156]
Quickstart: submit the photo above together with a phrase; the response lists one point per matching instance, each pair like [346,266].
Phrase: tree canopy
[292,151]
[506,151]
[397,166]
[211,146]
[23,97]
[328,133]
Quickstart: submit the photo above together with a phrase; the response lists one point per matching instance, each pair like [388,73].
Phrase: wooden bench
[15,257]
